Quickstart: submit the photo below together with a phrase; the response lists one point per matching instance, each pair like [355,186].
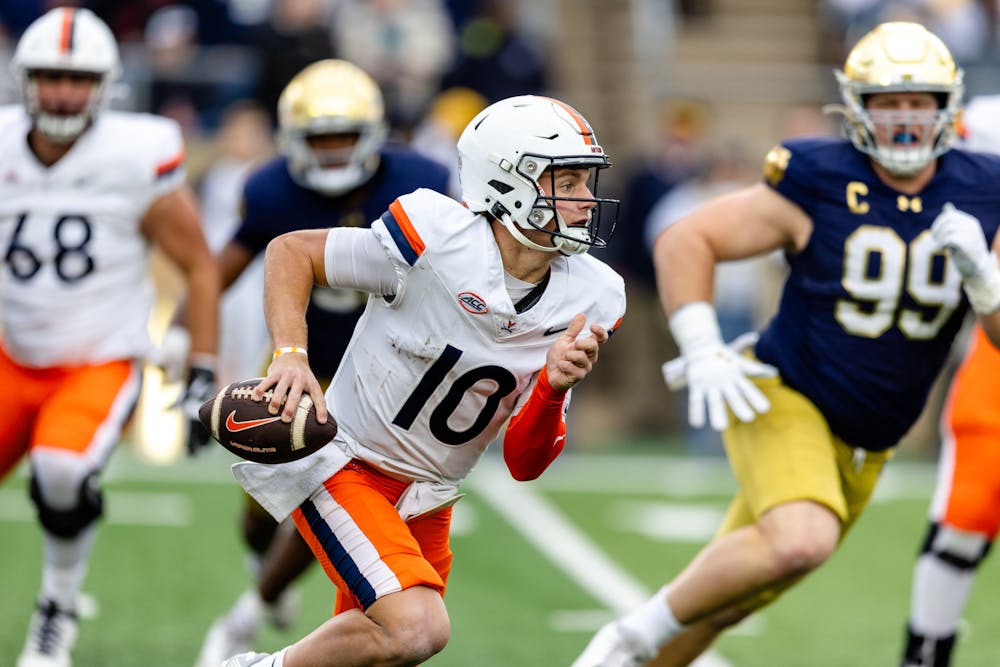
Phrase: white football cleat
[250,660]
[283,613]
[51,635]
[614,646]
[223,641]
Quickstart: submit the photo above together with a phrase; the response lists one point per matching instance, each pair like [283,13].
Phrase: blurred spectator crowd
[192,60]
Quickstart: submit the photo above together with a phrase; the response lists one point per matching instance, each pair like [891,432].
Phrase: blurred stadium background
[686,96]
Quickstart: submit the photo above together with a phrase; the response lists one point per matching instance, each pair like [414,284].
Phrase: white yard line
[544,526]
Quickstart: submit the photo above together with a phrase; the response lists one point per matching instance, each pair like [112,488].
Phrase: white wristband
[694,326]
[983,290]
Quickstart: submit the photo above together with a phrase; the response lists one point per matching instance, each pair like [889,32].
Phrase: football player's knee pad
[961,549]
[68,520]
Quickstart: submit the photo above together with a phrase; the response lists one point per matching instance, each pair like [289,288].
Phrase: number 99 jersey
[870,308]
[76,286]
[431,375]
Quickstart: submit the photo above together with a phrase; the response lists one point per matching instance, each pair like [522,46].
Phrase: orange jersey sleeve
[536,435]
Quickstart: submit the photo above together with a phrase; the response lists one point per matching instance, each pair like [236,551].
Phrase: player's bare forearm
[203,305]
[290,270]
[685,268]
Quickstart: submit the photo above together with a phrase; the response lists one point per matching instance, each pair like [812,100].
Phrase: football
[244,426]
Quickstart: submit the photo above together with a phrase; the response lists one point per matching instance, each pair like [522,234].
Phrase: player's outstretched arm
[293,263]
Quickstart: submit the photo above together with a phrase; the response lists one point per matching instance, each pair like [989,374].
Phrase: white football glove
[172,353]
[716,375]
[961,235]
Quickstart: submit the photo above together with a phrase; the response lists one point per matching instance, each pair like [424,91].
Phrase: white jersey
[430,378]
[76,286]
[979,121]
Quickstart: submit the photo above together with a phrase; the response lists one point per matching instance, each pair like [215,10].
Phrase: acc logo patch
[473,303]
[775,164]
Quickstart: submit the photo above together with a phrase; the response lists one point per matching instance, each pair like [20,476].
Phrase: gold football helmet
[900,57]
[331,97]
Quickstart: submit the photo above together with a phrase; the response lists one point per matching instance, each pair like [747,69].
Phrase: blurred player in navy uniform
[335,170]
[883,234]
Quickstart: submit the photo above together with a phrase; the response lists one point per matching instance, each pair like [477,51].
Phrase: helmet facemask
[568,236]
[336,170]
[62,128]
[902,141]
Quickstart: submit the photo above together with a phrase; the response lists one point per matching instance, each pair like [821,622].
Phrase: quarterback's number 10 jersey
[432,374]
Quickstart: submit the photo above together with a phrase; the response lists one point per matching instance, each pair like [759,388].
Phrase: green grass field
[537,566]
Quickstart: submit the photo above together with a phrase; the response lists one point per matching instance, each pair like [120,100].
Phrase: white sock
[64,565]
[653,621]
[247,615]
[939,594]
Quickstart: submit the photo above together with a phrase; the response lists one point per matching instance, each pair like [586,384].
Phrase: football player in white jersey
[84,193]
[480,316]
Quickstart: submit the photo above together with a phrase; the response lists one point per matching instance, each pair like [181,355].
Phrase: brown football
[244,426]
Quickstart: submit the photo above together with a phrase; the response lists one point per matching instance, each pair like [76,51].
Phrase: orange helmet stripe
[66,34]
[581,122]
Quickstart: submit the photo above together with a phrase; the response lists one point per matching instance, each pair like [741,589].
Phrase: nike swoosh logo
[236,426]
[550,331]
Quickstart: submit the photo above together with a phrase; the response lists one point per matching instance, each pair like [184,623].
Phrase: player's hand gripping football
[200,387]
[569,358]
[717,376]
[290,376]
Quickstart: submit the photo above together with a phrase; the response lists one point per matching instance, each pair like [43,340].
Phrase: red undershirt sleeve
[536,435]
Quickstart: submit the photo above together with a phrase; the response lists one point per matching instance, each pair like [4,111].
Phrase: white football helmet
[900,57]
[503,152]
[65,39]
[331,97]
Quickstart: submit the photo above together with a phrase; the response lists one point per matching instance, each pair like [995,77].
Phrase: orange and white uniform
[431,376]
[967,496]
[76,292]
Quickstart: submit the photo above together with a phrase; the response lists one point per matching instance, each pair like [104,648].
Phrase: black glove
[200,388]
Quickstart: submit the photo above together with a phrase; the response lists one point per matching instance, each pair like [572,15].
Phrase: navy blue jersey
[275,204]
[870,309]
